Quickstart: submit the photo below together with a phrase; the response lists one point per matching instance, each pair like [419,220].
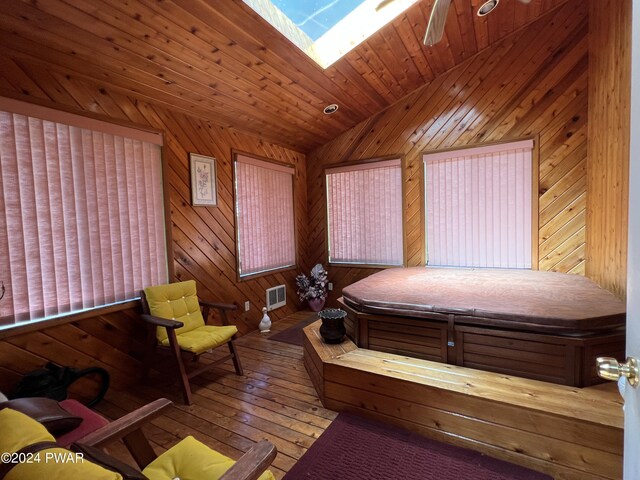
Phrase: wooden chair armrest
[125,425]
[161,322]
[220,306]
[252,463]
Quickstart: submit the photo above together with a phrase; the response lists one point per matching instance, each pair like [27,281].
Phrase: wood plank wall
[533,83]
[203,237]
[608,144]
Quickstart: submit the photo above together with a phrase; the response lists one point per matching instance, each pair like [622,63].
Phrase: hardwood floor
[274,400]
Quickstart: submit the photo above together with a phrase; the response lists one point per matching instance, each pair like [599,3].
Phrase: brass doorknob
[610,369]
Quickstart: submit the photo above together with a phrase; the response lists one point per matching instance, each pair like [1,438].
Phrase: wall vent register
[276,297]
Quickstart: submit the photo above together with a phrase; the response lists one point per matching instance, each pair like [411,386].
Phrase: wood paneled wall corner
[203,238]
[608,142]
[533,83]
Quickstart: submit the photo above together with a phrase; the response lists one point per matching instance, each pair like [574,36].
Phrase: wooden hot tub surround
[539,325]
[569,433]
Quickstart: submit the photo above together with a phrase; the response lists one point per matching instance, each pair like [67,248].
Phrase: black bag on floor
[53,382]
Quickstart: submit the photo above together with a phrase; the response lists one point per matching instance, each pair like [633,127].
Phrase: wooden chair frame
[129,429]
[171,325]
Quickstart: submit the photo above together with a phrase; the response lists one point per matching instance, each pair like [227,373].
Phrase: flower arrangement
[313,286]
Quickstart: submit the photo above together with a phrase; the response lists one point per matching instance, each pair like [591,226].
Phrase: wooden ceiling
[219,60]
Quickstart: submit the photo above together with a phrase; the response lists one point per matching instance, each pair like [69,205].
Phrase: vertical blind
[264,215]
[81,218]
[479,206]
[364,213]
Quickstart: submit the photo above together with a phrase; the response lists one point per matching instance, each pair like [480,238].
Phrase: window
[364,213]
[326,31]
[264,215]
[479,206]
[81,213]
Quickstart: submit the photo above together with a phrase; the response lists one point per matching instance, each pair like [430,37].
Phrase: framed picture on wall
[203,180]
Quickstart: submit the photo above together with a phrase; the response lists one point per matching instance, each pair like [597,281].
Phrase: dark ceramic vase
[332,329]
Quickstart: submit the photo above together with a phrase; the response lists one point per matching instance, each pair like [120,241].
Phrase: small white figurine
[265,323]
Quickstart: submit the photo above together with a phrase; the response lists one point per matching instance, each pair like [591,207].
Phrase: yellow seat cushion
[175,301]
[19,431]
[192,460]
[203,338]
[60,464]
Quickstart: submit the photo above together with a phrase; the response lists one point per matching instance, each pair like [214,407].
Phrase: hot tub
[542,325]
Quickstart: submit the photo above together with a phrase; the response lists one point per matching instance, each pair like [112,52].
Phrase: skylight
[315,18]
[326,30]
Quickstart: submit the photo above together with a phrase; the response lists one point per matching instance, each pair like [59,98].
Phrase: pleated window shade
[264,215]
[81,218]
[479,206]
[364,213]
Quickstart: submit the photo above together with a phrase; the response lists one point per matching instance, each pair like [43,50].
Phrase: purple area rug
[293,334]
[354,448]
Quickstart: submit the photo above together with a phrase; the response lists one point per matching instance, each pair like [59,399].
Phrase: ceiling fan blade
[383,4]
[525,1]
[437,20]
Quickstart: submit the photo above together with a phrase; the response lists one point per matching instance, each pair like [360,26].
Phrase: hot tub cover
[520,299]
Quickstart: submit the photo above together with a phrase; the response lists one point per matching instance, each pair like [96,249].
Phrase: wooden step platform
[567,432]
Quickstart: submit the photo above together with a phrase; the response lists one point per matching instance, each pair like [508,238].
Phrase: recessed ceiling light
[329,109]
[487,7]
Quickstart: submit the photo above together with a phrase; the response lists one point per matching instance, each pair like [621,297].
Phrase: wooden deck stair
[570,433]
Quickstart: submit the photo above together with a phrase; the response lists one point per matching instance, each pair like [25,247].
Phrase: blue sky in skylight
[315,17]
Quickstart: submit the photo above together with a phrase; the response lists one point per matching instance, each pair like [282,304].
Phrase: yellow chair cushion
[175,301]
[192,460]
[201,339]
[60,464]
[19,431]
